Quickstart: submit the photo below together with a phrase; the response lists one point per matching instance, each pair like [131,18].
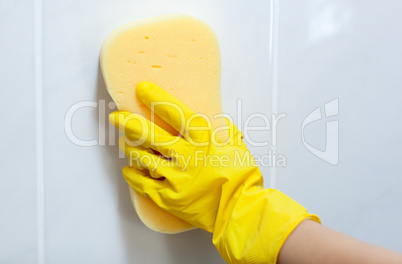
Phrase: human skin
[313,243]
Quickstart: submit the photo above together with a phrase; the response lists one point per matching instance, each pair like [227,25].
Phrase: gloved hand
[211,184]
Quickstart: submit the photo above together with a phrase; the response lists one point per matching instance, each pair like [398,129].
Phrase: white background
[62,203]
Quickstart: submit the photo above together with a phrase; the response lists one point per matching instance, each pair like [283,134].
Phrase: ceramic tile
[347,53]
[88,213]
[18,220]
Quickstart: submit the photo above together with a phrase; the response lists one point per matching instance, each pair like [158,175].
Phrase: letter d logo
[330,154]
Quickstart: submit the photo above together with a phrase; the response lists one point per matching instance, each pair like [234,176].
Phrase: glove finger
[142,184]
[175,150]
[143,158]
[141,131]
[188,123]
[235,135]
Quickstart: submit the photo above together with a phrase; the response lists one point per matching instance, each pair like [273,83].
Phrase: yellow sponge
[178,53]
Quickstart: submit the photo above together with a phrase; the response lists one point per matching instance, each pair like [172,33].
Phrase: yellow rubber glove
[211,184]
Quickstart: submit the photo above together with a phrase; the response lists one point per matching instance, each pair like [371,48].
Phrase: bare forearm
[313,243]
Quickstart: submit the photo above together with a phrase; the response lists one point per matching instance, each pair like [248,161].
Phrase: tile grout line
[273,61]
[39,131]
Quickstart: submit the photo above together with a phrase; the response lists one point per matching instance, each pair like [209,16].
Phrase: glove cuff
[258,226]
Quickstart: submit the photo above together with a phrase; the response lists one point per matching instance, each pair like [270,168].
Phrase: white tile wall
[350,50]
[18,217]
[290,59]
